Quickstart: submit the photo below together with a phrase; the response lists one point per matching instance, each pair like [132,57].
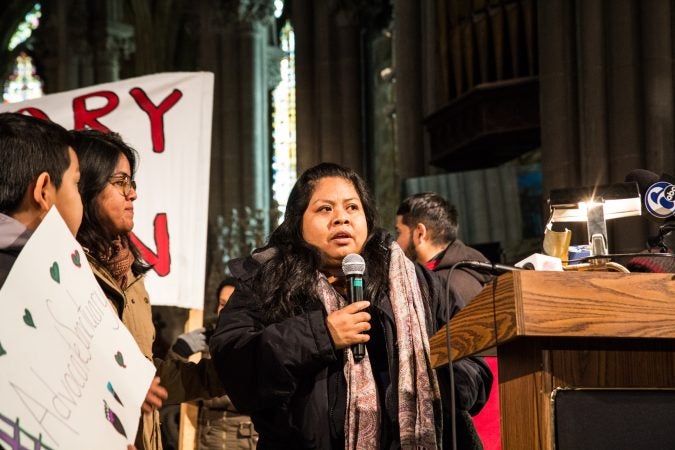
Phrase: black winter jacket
[288,376]
[467,283]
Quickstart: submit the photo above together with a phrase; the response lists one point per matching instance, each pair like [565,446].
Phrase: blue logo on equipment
[660,199]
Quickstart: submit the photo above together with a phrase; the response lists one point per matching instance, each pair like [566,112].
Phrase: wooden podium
[565,330]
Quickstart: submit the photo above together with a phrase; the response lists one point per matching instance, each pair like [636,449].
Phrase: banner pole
[189,411]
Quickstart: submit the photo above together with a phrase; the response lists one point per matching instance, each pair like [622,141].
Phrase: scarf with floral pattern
[418,392]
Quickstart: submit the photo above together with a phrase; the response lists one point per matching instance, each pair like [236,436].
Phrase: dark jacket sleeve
[261,365]
[466,286]
[187,381]
[472,376]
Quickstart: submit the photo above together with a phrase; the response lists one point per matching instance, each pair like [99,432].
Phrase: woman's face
[334,221]
[223,297]
[115,209]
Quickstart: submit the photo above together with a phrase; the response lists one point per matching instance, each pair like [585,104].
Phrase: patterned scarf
[418,393]
[118,260]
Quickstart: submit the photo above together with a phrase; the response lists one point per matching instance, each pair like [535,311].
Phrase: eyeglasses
[123,183]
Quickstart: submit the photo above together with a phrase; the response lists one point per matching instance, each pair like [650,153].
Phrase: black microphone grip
[355,294]
[493,267]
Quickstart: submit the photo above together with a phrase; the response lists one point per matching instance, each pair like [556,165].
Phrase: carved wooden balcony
[491,124]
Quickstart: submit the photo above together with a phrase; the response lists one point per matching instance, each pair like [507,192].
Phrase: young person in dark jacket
[427,232]
[282,345]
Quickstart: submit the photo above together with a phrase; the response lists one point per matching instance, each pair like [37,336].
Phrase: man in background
[427,232]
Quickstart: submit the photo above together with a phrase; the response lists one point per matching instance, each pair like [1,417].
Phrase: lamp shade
[572,204]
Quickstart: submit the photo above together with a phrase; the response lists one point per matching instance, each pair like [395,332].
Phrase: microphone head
[644,179]
[353,264]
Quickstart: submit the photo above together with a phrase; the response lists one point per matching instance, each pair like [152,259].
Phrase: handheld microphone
[354,266]
[491,267]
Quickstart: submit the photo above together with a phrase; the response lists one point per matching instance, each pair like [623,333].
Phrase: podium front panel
[614,419]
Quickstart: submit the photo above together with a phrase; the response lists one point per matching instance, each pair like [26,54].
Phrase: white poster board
[71,375]
[167,119]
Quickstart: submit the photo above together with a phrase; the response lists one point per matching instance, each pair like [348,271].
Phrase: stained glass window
[278,8]
[25,28]
[284,172]
[23,83]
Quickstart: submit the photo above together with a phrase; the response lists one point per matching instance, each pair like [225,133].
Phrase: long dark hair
[285,282]
[99,153]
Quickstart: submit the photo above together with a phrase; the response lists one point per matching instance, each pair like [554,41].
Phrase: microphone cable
[448,344]
[448,340]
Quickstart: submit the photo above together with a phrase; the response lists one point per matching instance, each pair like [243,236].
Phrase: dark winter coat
[466,283]
[13,237]
[289,377]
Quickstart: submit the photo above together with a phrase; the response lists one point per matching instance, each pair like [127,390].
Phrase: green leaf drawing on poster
[120,359]
[28,318]
[54,272]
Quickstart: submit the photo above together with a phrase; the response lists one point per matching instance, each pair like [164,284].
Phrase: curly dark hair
[283,282]
[98,153]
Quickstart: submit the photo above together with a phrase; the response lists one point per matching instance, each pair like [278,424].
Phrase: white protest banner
[71,375]
[167,119]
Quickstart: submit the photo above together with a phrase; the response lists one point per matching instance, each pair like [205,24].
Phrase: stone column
[63,47]
[350,105]
[118,44]
[84,43]
[329,89]
[408,69]
[114,40]
[234,46]
[253,115]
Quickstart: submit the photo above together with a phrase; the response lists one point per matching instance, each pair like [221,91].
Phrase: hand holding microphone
[347,324]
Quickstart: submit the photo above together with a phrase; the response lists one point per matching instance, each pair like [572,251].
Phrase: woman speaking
[282,347]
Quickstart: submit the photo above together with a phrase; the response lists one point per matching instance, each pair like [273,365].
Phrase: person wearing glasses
[108,191]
